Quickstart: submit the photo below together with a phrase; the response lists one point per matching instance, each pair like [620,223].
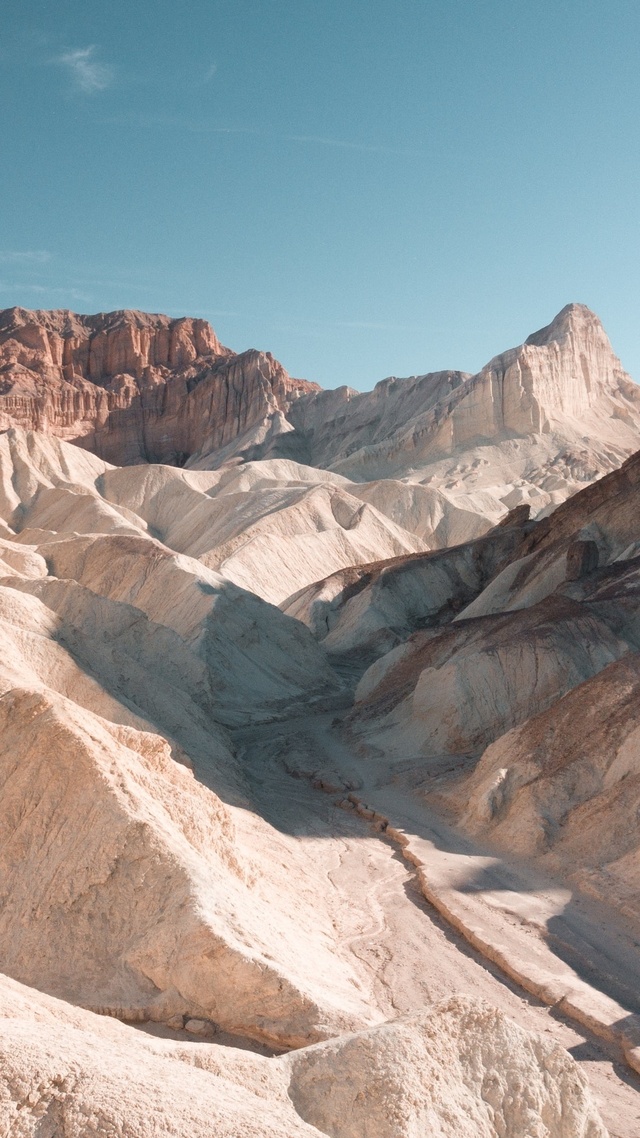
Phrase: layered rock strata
[134,387]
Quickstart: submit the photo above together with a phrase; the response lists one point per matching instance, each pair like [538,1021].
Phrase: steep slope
[561,381]
[515,715]
[134,387]
[121,661]
[126,889]
[366,610]
[271,527]
[155,861]
[140,881]
[564,788]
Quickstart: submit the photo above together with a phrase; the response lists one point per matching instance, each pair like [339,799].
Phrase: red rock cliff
[134,387]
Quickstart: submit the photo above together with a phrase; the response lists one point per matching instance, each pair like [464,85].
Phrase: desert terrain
[320,749]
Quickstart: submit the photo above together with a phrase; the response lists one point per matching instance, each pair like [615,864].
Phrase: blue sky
[363,188]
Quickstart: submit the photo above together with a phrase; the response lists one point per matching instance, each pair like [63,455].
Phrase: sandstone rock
[530,428]
[270,527]
[258,660]
[564,787]
[67,1071]
[132,386]
[365,611]
[176,1023]
[558,382]
[123,888]
[197,1026]
[604,513]
[139,876]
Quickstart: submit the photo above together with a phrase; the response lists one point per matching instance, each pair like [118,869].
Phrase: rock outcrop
[166,857]
[269,527]
[458,1072]
[463,1071]
[130,884]
[525,697]
[134,387]
[562,381]
[364,611]
[125,890]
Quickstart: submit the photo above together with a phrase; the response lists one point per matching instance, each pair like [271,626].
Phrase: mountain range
[320,760]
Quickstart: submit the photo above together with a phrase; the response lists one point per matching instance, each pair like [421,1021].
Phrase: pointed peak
[573,319]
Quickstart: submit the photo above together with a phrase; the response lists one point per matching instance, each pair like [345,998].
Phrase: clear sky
[363,187]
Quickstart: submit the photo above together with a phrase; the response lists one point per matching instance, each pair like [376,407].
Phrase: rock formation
[533,426]
[525,692]
[461,1071]
[133,387]
[195,781]
[445,455]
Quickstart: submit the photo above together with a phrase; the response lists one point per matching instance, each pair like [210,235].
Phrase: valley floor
[405,951]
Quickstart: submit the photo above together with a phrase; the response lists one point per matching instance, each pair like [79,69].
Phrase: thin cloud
[24,257]
[200,126]
[210,72]
[43,290]
[87,72]
[372,324]
[319,140]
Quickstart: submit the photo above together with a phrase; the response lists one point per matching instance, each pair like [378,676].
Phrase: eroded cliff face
[564,386]
[134,387]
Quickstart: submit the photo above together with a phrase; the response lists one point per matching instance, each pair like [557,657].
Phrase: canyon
[320,757]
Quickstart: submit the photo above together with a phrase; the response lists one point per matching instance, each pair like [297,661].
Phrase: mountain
[132,387]
[160,867]
[444,455]
[318,747]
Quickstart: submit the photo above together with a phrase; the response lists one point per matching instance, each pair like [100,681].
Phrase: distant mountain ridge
[534,425]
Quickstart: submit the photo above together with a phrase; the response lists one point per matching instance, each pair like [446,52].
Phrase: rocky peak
[574,321]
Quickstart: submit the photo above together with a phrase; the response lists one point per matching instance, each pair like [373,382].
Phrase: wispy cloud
[24,257]
[201,126]
[379,325]
[43,290]
[88,73]
[341,144]
[210,72]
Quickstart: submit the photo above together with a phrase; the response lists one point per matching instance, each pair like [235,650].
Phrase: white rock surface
[271,527]
[139,668]
[465,1071]
[125,889]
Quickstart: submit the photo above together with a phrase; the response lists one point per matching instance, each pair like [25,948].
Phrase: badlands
[320,749]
